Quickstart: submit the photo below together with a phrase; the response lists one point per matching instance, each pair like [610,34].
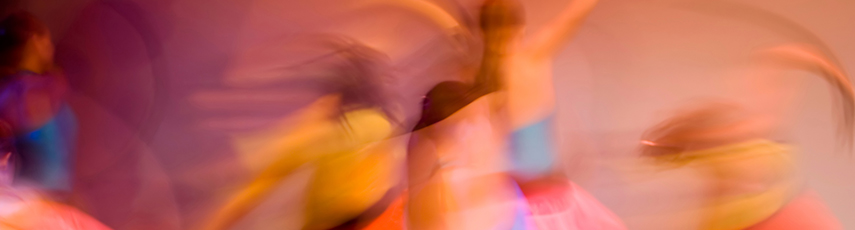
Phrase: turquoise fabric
[48,151]
[532,149]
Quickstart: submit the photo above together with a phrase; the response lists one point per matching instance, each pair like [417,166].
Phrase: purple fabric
[15,90]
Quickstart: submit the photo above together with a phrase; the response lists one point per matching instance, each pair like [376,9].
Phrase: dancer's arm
[547,42]
[421,7]
[454,31]
[531,95]
[252,195]
[805,56]
[808,57]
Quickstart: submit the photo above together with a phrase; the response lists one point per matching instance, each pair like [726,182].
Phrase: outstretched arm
[433,12]
[243,202]
[547,42]
[298,150]
[808,57]
[455,32]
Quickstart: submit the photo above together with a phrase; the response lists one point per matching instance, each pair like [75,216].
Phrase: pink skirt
[569,207]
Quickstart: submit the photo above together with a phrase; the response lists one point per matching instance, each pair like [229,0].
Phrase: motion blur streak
[426,114]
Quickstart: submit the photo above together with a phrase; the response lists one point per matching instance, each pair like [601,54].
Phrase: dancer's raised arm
[547,42]
[810,58]
[424,8]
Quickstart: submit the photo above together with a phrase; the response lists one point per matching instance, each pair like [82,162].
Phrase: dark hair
[360,74]
[498,14]
[15,31]
[362,79]
[445,99]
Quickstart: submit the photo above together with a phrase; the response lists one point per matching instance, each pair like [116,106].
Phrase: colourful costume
[353,170]
[754,181]
[46,152]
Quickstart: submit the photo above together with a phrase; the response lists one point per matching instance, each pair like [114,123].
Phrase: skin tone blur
[439,174]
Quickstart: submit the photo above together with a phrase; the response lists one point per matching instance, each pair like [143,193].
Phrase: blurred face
[750,128]
[728,132]
[500,39]
[43,49]
[717,126]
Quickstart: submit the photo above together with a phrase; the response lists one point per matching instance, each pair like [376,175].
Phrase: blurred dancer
[754,182]
[340,135]
[526,70]
[32,93]
[457,172]
[521,72]
[25,208]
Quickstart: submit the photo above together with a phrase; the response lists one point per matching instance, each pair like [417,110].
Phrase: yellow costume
[353,167]
[755,179]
